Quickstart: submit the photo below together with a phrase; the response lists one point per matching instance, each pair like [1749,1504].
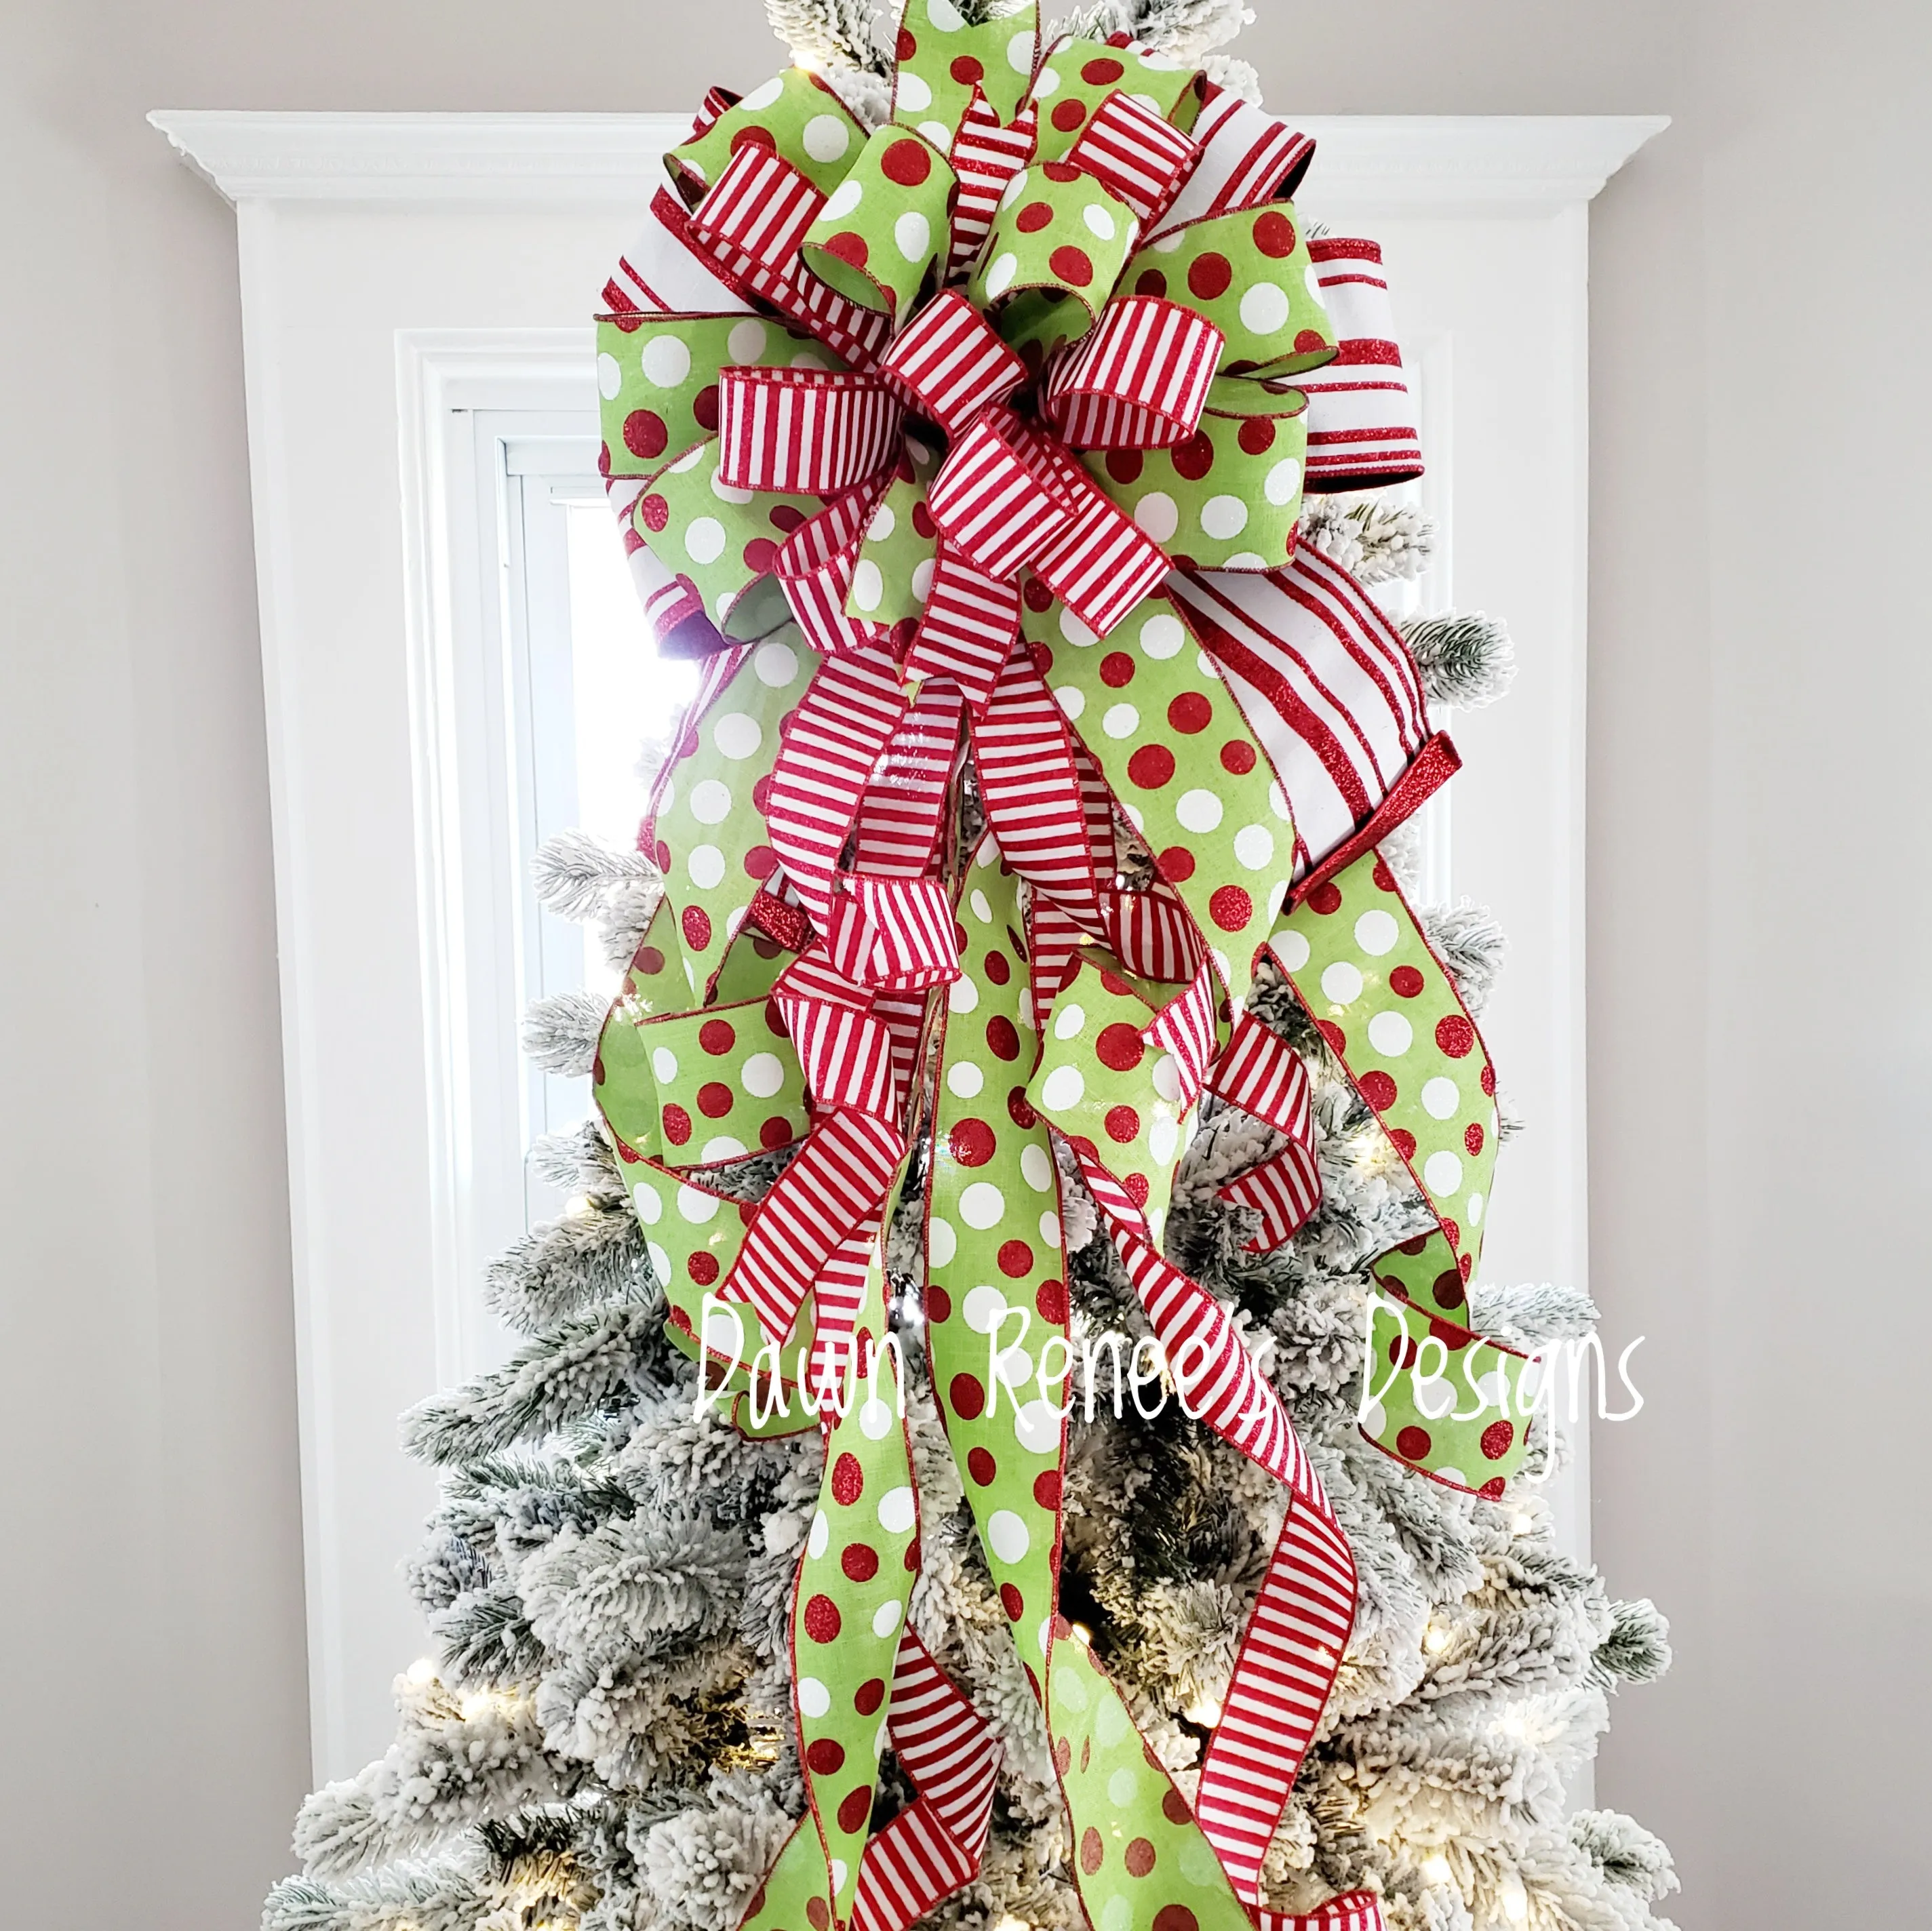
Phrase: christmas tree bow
[980,435]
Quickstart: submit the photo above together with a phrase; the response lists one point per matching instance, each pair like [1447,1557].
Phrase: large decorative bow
[998,404]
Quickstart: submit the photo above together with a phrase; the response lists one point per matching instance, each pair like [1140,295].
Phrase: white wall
[1758,864]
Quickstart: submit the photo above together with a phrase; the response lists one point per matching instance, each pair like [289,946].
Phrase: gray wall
[1759,868]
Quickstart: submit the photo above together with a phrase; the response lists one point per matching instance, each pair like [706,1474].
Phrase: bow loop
[883,233]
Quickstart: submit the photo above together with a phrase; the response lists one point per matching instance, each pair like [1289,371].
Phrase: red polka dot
[1068,115]
[1016,1259]
[1415,1246]
[906,46]
[1117,670]
[922,522]
[1032,217]
[848,246]
[938,1302]
[825,1757]
[676,1124]
[1120,1047]
[868,1696]
[1413,1443]
[1274,234]
[787,516]
[714,1099]
[1175,1917]
[1071,265]
[716,1036]
[822,1619]
[705,408]
[649,962]
[1093,1851]
[1230,908]
[1455,1035]
[1019,1111]
[972,1143]
[1492,1491]
[761,793]
[1496,1440]
[818,1914]
[1012,1602]
[1406,982]
[1115,984]
[997,969]
[1472,1138]
[697,924]
[981,1466]
[860,1561]
[848,1480]
[1123,1123]
[1189,712]
[1102,73]
[1326,899]
[1151,766]
[1238,756]
[1062,171]
[967,1398]
[1037,594]
[1046,1488]
[1378,1089]
[1487,1080]
[1137,1188]
[1454,1339]
[1399,1137]
[775,1020]
[1194,457]
[775,1131]
[855,1810]
[1139,1857]
[1174,1807]
[1176,864]
[1256,435]
[1448,1289]
[1402,1352]
[1209,276]
[1337,1039]
[1308,342]
[1124,465]
[1384,879]
[966,70]
[1062,1755]
[907,162]
[1003,1038]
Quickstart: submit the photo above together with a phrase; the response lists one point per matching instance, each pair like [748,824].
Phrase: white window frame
[400,272]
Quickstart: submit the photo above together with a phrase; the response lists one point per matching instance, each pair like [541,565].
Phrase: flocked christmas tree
[699,1664]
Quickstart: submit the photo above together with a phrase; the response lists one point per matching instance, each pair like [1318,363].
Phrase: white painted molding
[1532,162]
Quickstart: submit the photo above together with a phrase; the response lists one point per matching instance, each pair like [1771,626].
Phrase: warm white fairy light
[1436,1868]
[1436,1638]
[422,1671]
[1205,1710]
[1515,1899]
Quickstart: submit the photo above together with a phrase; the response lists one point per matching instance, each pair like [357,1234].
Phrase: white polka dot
[663,1063]
[1441,1098]
[1121,720]
[922,578]
[1123,1787]
[1454,1476]
[827,137]
[727,492]
[821,1534]
[1224,517]
[1049,82]
[1282,482]
[710,801]
[1049,1229]
[869,586]
[1375,933]
[875,1419]
[941,1242]
[1198,811]
[1063,1088]
[1044,1635]
[722,1146]
[982,1205]
[1157,515]
[1245,559]
[1163,1136]
[1314,282]
[1067,1021]
[609,377]
[1264,309]
[976,904]
[705,865]
[776,665]
[762,96]
[1075,632]
[762,1075]
[945,17]
[914,234]
[883,522]
[1071,699]
[1254,846]
[660,1261]
[938,134]
[704,541]
[1206,665]
[885,1619]
[746,341]
[1015,188]
[1037,1428]
[896,1511]
[1166,1079]
[1373,1416]
[1341,983]
[1036,1166]
[1008,1536]
[1278,803]
[1162,636]
[691,459]
[814,1699]
[695,1206]
[666,362]
[1291,948]
[650,1208]
[913,95]
[964,1078]
[840,1869]
[1475,1209]
[1390,1034]
[961,996]
[840,202]
[1098,219]
[1001,273]
[1165,244]
[1442,1174]
[736,735]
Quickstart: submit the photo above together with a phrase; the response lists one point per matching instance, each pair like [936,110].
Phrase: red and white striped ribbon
[1151,934]
[902,815]
[1263,1075]
[894,933]
[1247,157]
[814,566]
[1130,150]
[1361,420]
[988,500]
[811,431]
[663,272]
[985,157]
[1139,378]
[948,364]
[1184,1028]
[967,634]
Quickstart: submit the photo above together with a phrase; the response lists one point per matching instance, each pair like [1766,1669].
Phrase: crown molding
[1387,163]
